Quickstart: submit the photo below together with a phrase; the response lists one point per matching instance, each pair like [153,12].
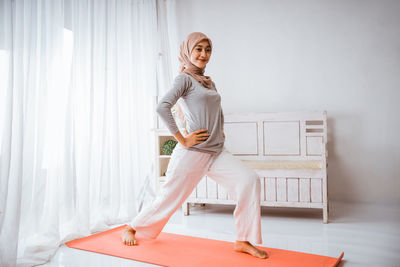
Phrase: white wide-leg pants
[185,170]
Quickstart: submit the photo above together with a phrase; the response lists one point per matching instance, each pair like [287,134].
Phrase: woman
[201,152]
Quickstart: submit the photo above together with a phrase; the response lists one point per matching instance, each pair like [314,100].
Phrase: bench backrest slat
[277,135]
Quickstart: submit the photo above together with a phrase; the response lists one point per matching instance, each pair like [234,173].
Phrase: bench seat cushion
[284,164]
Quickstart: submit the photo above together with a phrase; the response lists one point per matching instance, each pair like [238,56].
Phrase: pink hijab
[184,58]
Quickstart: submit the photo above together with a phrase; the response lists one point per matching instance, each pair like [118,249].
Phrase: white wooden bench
[288,150]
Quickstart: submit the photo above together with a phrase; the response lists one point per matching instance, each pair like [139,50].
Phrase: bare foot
[246,247]
[128,236]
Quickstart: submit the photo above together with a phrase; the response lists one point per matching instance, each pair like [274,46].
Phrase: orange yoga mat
[180,250]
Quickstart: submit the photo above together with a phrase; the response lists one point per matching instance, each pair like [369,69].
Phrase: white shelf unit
[162,161]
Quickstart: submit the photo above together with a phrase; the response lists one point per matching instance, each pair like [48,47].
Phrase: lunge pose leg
[185,170]
[244,186]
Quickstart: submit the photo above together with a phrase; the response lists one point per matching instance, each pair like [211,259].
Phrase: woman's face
[201,54]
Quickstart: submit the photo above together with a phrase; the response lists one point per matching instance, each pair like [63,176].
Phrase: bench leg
[185,208]
[325,214]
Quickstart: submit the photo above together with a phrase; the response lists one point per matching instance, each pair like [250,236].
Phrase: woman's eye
[207,51]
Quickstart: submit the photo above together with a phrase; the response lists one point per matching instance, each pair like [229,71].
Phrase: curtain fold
[11,135]
[76,114]
[168,63]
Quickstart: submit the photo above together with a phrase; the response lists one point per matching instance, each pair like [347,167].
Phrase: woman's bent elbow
[160,109]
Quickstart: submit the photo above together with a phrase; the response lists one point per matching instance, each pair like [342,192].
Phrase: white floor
[369,235]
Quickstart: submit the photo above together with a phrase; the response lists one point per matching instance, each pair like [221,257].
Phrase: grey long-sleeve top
[202,110]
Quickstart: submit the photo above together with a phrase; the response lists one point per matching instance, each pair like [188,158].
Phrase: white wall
[340,56]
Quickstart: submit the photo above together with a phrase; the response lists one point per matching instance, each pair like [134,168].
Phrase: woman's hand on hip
[195,137]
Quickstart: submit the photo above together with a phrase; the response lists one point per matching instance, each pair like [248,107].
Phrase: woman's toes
[263,254]
[128,238]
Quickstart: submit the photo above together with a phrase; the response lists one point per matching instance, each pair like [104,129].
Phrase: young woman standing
[200,152]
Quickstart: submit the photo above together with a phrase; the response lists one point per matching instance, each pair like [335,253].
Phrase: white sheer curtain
[77,89]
